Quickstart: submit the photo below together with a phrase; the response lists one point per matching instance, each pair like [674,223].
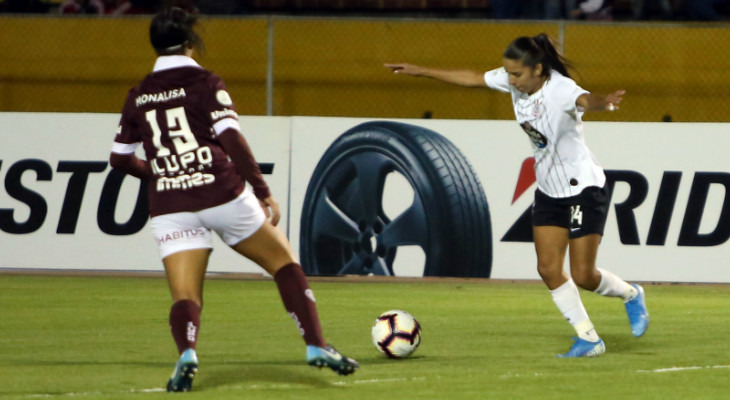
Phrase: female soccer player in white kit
[185,119]
[571,200]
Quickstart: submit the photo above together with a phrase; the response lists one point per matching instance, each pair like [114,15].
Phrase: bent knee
[549,268]
[587,278]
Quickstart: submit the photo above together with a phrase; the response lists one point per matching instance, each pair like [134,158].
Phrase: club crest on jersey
[224,98]
[537,138]
[537,108]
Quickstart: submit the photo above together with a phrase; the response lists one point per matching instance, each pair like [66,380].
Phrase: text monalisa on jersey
[159,97]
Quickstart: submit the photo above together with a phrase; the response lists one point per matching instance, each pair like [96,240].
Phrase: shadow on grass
[628,344]
[283,374]
[81,363]
[261,376]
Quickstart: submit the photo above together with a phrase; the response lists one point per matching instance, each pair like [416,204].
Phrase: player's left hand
[271,209]
[613,99]
[404,69]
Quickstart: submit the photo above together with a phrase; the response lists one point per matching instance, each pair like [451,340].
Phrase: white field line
[86,394]
[279,386]
[518,375]
[641,371]
[677,369]
[69,394]
[268,387]
[386,380]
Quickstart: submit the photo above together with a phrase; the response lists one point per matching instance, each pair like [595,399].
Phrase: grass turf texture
[108,338]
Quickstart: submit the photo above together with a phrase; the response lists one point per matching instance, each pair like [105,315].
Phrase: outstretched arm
[467,78]
[597,102]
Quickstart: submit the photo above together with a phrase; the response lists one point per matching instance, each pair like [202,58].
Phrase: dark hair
[538,50]
[172,30]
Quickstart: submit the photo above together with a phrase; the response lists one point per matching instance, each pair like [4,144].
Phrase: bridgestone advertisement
[367,196]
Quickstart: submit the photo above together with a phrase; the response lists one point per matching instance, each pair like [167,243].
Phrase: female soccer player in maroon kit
[188,126]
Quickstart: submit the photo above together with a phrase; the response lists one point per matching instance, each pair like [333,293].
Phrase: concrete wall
[333,67]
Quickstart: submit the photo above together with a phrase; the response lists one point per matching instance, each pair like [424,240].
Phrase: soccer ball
[396,333]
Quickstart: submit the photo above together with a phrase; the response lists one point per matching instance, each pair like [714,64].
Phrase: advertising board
[376,200]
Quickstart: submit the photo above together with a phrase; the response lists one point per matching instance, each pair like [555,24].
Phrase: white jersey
[564,165]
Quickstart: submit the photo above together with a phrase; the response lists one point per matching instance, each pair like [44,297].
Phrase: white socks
[613,286]
[567,298]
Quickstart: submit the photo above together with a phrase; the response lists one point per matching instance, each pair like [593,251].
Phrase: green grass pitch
[107,338]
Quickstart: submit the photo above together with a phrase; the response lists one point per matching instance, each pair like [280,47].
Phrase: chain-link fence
[334,66]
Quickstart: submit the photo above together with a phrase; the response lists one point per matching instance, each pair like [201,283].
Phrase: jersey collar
[176,61]
[538,93]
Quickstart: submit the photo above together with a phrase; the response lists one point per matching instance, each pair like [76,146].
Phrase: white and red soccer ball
[396,333]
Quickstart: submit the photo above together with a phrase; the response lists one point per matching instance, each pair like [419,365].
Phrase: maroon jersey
[177,112]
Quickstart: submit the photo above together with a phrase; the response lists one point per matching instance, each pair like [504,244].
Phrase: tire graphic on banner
[345,230]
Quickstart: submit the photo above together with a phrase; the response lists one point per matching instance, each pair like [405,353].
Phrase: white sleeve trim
[124,148]
[579,93]
[226,123]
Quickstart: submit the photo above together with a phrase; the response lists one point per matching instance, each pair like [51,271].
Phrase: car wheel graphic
[344,229]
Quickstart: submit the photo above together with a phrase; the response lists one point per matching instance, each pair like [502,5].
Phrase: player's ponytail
[538,50]
[551,55]
[172,30]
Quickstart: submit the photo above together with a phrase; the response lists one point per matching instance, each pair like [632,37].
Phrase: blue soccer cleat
[584,348]
[185,369]
[330,357]
[638,315]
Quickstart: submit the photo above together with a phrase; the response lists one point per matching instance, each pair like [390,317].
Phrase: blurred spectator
[112,7]
[146,6]
[153,6]
[707,10]
[82,7]
[593,10]
[532,9]
[219,6]
[25,6]
[558,9]
[505,9]
[518,9]
[577,9]
[187,5]
[120,7]
[647,9]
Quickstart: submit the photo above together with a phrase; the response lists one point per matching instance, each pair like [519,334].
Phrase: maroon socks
[299,302]
[295,293]
[184,324]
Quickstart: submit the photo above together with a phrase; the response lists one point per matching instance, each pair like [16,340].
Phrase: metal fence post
[270,67]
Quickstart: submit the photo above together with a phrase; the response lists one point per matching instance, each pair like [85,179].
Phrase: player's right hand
[271,209]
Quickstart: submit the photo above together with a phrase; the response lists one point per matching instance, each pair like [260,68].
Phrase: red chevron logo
[526,178]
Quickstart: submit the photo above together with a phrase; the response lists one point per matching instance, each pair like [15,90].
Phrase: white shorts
[233,222]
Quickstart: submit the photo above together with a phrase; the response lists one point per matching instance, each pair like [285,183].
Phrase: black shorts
[582,214]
